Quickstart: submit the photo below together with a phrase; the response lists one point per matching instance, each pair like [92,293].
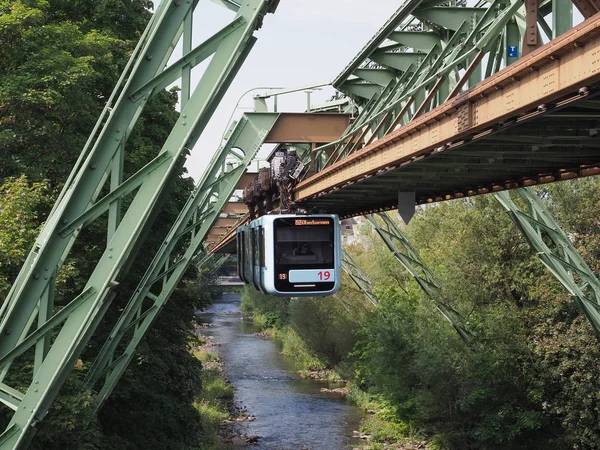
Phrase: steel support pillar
[194,222]
[219,263]
[402,249]
[78,204]
[358,276]
[556,251]
[562,17]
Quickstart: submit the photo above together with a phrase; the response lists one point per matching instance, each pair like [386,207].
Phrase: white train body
[291,255]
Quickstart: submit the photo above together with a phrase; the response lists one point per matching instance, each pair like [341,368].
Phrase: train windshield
[303,245]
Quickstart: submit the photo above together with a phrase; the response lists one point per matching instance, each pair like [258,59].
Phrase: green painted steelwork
[207,200]
[357,275]
[402,249]
[562,17]
[556,251]
[429,52]
[26,317]
[423,56]
[219,263]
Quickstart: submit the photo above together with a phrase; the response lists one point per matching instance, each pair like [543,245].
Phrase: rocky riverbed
[274,407]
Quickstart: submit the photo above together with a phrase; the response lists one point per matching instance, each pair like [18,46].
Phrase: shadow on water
[291,413]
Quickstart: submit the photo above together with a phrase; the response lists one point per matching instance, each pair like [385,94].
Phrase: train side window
[241,258]
[261,237]
[254,247]
[249,254]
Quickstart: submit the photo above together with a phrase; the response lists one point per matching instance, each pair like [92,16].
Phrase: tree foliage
[59,62]
[19,222]
[531,381]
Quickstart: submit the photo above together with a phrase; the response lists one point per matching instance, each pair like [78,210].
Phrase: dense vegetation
[532,382]
[59,61]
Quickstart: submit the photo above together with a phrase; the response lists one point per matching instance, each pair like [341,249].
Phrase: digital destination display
[309,222]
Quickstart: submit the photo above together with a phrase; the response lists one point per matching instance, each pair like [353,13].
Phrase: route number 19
[324,276]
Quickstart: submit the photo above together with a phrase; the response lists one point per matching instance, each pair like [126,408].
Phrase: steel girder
[195,220]
[357,275]
[402,249]
[426,54]
[556,251]
[219,263]
[28,317]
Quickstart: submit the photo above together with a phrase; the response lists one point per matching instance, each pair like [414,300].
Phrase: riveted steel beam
[481,111]
[197,218]
[357,275]
[453,57]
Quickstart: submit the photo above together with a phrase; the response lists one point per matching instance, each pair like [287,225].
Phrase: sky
[304,42]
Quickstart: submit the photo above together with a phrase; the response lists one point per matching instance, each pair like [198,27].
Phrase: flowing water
[291,413]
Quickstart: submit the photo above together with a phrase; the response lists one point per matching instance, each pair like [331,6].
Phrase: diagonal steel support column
[82,189]
[402,249]
[207,200]
[556,251]
[219,263]
[358,276]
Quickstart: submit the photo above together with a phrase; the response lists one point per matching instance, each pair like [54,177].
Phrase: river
[291,413]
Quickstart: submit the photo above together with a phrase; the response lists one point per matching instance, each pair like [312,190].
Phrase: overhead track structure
[30,323]
[305,132]
[428,124]
[457,101]
[434,128]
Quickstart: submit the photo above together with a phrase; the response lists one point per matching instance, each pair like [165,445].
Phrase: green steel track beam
[27,317]
[207,200]
[439,51]
[556,251]
[402,249]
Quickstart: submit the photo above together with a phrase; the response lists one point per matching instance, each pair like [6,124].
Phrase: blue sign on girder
[513,51]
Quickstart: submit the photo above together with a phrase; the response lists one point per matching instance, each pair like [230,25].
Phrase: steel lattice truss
[556,251]
[195,220]
[429,51]
[410,259]
[30,322]
[360,278]
[425,55]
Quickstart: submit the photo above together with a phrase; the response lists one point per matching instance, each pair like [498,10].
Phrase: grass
[382,422]
[295,348]
[205,356]
[212,402]
[215,387]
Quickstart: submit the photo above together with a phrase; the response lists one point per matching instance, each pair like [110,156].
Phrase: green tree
[59,61]
[19,225]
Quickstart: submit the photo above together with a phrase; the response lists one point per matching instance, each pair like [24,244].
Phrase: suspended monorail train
[291,255]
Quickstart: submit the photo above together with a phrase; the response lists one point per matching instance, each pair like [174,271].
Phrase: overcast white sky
[305,41]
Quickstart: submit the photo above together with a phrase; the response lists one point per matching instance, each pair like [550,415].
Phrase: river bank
[287,412]
[216,400]
[378,429]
